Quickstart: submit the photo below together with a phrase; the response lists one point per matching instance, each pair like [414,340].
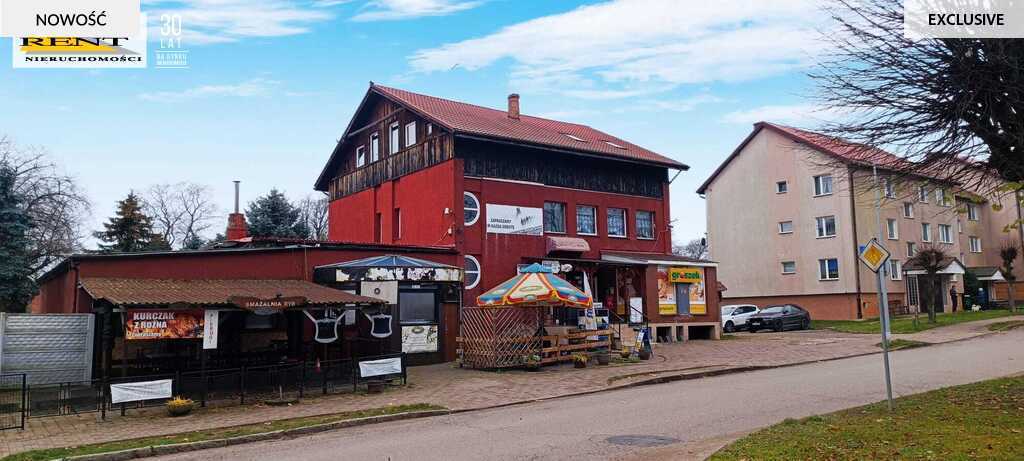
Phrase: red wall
[421,197]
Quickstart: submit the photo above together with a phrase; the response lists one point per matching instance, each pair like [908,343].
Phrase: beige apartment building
[788,210]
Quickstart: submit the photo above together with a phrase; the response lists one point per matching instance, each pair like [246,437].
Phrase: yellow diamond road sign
[874,255]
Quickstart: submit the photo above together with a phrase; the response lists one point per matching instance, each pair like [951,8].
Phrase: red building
[505,189]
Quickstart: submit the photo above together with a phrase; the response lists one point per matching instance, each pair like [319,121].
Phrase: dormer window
[574,138]
[614,145]
[360,156]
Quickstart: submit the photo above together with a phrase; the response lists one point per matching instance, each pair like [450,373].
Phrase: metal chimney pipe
[236,195]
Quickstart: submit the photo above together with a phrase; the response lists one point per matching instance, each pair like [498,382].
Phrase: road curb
[160,450]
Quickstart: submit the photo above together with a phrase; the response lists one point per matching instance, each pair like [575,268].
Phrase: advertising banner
[164,324]
[145,390]
[509,219]
[210,326]
[419,338]
[380,367]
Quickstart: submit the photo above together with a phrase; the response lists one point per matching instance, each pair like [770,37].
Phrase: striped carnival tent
[535,286]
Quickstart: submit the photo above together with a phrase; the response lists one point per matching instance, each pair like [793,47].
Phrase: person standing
[953,296]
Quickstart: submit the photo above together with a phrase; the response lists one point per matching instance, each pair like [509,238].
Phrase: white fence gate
[48,348]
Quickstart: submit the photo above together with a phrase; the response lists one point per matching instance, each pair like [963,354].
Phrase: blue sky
[273,83]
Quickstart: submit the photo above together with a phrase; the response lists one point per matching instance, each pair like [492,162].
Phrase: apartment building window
[788,267]
[972,211]
[645,225]
[890,190]
[410,134]
[374,147]
[908,210]
[554,217]
[922,194]
[616,222]
[826,226]
[975,244]
[360,156]
[942,197]
[895,269]
[586,220]
[781,187]
[822,185]
[911,249]
[786,227]
[470,208]
[926,232]
[828,269]
[893,229]
[945,233]
[393,142]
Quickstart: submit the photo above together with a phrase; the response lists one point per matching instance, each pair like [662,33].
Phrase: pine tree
[16,285]
[130,229]
[274,215]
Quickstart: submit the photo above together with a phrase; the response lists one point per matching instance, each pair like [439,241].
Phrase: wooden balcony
[430,152]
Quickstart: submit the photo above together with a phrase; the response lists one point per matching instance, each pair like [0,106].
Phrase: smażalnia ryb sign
[510,219]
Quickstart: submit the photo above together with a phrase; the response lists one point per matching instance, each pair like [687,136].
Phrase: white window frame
[784,271]
[819,185]
[972,211]
[375,146]
[911,249]
[361,156]
[782,229]
[478,208]
[974,244]
[947,236]
[625,223]
[823,264]
[821,226]
[922,194]
[926,232]
[942,197]
[592,208]
[888,188]
[410,133]
[430,129]
[895,270]
[908,210]
[892,229]
[781,187]
[479,271]
[394,138]
[636,223]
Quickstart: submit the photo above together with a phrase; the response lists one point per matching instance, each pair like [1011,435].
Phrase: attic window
[614,145]
[574,138]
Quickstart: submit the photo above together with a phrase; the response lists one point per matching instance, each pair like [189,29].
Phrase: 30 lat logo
[171,54]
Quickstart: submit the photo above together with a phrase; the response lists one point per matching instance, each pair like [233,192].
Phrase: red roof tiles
[475,120]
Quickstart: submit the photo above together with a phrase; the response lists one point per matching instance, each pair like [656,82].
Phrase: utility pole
[883,295]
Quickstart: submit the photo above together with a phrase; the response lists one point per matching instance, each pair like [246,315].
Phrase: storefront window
[470,208]
[417,306]
[616,222]
[644,224]
[554,217]
[586,220]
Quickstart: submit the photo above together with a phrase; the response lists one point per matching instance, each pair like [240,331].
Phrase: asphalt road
[696,416]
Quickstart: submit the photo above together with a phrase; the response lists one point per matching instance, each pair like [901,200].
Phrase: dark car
[780,317]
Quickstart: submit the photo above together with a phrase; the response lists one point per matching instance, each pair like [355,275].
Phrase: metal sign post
[875,256]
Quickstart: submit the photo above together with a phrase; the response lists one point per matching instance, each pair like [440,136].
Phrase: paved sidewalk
[462,389]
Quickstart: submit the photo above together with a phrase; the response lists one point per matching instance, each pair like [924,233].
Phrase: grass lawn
[1008,325]
[213,434]
[977,421]
[897,344]
[905,324]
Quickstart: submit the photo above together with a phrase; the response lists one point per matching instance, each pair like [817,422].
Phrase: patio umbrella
[535,285]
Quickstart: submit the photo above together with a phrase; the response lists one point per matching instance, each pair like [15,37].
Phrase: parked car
[734,316]
[780,317]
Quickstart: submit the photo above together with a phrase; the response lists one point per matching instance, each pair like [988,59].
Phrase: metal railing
[12,401]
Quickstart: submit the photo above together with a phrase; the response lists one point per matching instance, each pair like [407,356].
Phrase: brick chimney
[513,106]
[237,228]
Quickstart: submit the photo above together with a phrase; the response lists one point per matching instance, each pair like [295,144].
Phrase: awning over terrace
[219,293]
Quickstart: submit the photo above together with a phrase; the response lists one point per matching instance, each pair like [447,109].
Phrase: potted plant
[644,353]
[179,406]
[579,360]
[531,362]
[603,358]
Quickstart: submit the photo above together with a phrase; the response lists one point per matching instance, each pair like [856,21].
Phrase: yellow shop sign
[685,275]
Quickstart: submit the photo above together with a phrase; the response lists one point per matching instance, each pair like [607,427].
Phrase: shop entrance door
[682,298]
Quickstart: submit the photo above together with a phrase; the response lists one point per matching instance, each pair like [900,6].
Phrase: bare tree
[931,260]
[55,204]
[181,212]
[696,248]
[314,214]
[951,107]
[1008,252]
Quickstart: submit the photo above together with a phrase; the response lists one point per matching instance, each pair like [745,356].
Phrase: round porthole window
[472,271]
[470,208]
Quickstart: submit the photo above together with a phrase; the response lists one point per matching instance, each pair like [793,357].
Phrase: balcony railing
[430,152]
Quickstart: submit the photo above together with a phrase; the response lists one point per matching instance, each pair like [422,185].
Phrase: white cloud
[384,10]
[627,47]
[249,88]
[220,21]
[793,114]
